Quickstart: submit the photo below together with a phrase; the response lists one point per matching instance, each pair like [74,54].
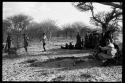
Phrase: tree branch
[112,17]
[95,17]
[111,4]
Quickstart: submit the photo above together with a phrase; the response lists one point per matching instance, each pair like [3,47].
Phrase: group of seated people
[79,44]
[70,46]
[106,53]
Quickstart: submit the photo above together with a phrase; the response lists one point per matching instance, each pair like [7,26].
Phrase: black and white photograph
[62,41]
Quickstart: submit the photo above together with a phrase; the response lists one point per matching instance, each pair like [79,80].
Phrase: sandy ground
[37,65]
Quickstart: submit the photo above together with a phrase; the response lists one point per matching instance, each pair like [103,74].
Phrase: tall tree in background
[49,27]
[36,30]
[18,25]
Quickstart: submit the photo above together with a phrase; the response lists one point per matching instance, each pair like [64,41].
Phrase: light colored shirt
[44,38]
[110,49]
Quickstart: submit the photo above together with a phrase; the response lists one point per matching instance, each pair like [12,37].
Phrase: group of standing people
[79,42]
[92,40]
[7,46]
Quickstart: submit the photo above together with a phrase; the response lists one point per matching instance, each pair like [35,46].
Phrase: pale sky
[61,12]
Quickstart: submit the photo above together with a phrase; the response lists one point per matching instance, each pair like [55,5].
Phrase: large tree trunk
[103,35]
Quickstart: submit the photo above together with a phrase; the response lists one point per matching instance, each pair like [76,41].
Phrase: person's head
[8,34]
[43,33]
[70,43]
[24,34]
[77,33]
[108,41]
[112,41]
[66,44]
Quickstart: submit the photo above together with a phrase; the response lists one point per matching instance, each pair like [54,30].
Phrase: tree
[5,28]
[18,25]
[36,30]
[78,26]
[19,22]
[105,20]
[68,31]
[112,4]
[102,18]
[49,27]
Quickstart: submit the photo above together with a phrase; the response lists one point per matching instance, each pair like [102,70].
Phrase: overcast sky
[61,12]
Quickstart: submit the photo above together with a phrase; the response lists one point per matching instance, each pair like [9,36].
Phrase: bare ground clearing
[47,66]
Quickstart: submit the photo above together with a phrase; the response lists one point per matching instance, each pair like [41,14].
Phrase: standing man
[44,41]
[25,42]
[8,43]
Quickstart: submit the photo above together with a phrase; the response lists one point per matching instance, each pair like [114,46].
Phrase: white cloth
[44,37]
[111,51]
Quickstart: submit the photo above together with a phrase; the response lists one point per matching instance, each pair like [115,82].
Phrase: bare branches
[102,18]
[112,4]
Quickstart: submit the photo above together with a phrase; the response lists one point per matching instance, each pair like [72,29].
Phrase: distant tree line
[19,24]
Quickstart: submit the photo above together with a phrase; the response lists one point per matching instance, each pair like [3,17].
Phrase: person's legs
[44,47]
[106,59]
[25,48]
[105,56]
[8,46]
[101,56]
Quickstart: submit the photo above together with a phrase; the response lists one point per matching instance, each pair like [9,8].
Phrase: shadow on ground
[66,63]
[59,51]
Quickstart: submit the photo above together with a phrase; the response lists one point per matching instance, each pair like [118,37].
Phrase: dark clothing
[78,42]
[105,36]
[87,41]
[78,39]
[44,42]
[44,46]
[71,46]
[25,43]
[82,43]
[8,43]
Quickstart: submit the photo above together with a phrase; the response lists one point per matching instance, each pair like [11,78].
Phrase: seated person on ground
[65,47]
[71,46]
[111,51]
